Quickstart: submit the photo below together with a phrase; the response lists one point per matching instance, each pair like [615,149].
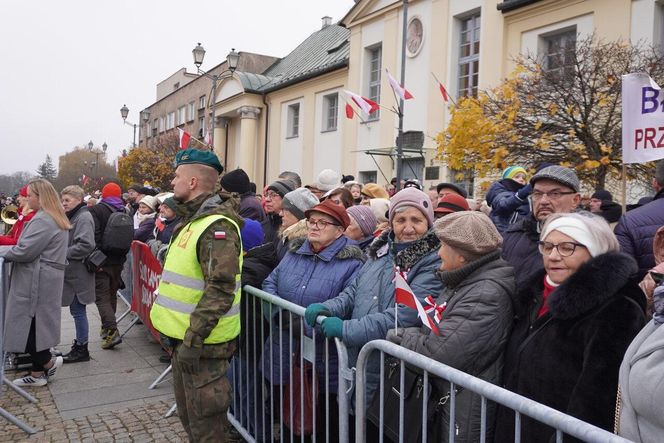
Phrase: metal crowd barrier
[6,382]
[564,424]
[258,404]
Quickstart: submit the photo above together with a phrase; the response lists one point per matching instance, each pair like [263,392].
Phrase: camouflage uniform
[203,398]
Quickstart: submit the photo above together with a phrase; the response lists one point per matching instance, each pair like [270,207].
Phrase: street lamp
[232,60]
[97,152]
[144,115]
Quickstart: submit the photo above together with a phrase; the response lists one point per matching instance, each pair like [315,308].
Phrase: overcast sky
[68,67]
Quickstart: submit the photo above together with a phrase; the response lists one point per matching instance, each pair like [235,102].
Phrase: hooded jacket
[568,358]
[367,305]
[474,330]
[506,206]
[305,277]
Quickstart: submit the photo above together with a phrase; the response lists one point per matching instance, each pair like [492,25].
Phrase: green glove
[313,311]
[333,327]
[189,358]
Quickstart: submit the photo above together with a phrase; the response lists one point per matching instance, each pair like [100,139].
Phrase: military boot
[77,353]
[111,340]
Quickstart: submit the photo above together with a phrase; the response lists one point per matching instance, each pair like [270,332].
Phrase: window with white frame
[162,124]
[191,111]
[558,52]
[201,126]
[368,176]
[170,120]
[201,102]
[155,127]
[469,56]
[182,115]
[293,122]
[330,112]
[374,55]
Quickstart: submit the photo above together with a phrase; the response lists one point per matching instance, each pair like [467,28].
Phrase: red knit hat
[337,212]
[111,190]
[24,191]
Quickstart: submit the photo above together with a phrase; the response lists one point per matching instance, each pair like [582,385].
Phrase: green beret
[196,156]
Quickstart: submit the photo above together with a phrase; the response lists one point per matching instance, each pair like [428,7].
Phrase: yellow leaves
[605,160]
[553,109]
[538,125]
[485,185]
[570,109]
[602,100]
[591,164]
[566,164]
[605,149]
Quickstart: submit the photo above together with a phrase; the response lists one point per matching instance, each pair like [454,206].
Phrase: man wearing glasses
[555,190]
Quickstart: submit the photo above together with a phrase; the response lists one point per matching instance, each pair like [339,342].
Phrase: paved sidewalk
[105,399]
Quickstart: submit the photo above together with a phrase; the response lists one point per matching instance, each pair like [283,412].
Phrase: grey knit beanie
[364,217]
[415,198]
[471,233]
[298,201]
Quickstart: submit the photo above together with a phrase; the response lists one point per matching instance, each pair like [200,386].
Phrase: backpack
[118,234]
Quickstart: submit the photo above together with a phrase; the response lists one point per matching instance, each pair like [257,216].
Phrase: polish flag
[349,111]
[208,138]
[398,89]
[368,106]
[184,139]
[405,296]
[443,91]
[85,179]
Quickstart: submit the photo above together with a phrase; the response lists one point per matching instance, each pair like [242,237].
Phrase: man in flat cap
[555,189]
[198,302]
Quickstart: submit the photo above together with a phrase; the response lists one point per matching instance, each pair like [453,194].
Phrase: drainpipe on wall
[267,124]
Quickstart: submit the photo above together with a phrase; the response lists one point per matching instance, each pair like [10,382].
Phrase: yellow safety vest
[182,284]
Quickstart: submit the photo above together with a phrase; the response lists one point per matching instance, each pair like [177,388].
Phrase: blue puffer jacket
[304,277]
[367,305]
[507,207]
[636,230]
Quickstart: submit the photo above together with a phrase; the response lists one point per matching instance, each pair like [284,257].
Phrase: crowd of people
[537,289]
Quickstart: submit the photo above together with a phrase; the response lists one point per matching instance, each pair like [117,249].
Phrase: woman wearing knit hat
[272,198]
[508,198]
[365,310]
[380,207]
[474,313]
[315,269]
[362,225]
[293,223]
[576,319]
[147,213]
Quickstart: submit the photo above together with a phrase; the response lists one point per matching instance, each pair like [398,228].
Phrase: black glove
[395,335]
[189,359]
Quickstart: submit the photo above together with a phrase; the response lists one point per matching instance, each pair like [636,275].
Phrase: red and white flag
[443,91]
[208,138]
[349,111]
[405,296]
[366,105]
[184,139]
[398,89]
[85,179]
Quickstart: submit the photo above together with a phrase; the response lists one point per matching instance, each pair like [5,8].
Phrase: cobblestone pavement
[143,423]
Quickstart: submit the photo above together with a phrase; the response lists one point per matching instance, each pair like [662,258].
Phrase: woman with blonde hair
[79,286]
[35,293]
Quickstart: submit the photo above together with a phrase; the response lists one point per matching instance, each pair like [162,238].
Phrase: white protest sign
[642,119]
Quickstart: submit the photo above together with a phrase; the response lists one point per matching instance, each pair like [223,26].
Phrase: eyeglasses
[271,195]
[553,195]
[565,249]
[320,224]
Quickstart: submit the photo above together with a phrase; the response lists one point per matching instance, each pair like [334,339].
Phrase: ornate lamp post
[144,116]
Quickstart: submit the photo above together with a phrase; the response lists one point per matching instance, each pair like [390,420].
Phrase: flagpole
[441,84]
[396,306]
[404,30]
[624,188]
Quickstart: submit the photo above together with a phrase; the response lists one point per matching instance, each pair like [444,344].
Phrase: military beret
[197,156]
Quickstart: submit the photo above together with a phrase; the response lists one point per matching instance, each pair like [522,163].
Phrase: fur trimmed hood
[348,251]
[298,230]
[594,283]
[407,258]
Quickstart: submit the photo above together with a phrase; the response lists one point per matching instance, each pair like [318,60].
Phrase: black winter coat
[506,206]
[520,249]
[251,208]
[569,358]
[636,230]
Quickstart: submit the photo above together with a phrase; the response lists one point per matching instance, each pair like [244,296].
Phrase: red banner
[146,274]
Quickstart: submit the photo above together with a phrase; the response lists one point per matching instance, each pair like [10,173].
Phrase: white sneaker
[57,362]
[29,380]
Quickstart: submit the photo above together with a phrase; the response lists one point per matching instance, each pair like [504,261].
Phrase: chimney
[327,21]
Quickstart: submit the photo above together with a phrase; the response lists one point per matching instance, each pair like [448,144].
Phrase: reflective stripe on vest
[182,285]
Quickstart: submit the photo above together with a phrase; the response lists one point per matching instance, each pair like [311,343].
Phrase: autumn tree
[569,116]
[11,183]
[46,170]
[152,164]
[80,162]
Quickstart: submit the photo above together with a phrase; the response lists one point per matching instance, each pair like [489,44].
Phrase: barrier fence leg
[171,411]
[161,377]
[18,390]
[10,418]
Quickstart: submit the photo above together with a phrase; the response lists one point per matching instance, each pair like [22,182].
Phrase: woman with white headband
[577,318]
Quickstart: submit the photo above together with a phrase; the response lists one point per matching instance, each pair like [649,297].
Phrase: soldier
[198,302]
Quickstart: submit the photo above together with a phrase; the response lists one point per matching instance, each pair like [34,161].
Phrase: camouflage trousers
[203,399]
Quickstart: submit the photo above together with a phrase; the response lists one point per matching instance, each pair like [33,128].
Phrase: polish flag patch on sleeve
[219,235]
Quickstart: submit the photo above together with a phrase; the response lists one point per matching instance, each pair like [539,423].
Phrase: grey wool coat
[78,281]
[37,276]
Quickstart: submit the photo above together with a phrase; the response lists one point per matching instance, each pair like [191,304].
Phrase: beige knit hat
[471,233]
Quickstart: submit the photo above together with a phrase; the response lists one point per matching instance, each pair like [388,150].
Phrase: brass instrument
[9,216]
